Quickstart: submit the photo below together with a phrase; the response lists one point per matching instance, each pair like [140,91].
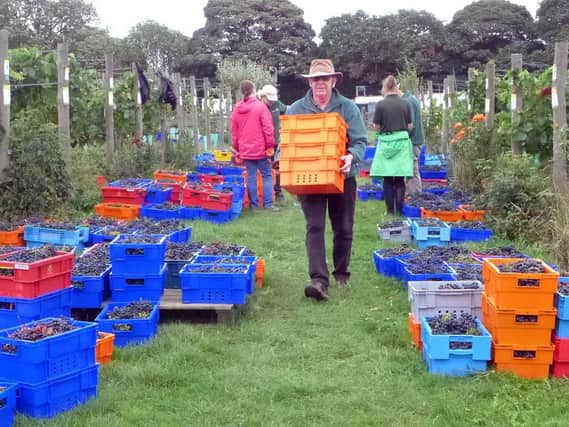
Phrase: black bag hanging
[167,93]
[143,84]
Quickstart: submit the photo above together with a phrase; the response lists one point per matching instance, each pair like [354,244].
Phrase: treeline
[274,32]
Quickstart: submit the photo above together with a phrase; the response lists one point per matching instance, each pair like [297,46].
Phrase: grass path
[292,362]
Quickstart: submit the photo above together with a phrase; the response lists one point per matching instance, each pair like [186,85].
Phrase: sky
[119,16]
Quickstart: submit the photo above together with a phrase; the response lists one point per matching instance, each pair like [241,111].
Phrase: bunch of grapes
[32,254]
[454,324]
[524,266]
[133,310]
[456,285]
[220,248]
[182,251]
[403,249]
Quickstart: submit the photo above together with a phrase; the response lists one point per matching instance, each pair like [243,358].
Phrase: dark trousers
[341,209]
[394,194]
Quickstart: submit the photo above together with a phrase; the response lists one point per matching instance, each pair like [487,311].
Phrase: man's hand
[346,163]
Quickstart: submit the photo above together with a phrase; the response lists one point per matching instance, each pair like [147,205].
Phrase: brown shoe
[342,281]
[317,290]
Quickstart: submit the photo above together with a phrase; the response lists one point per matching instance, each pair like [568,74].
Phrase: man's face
[322,86]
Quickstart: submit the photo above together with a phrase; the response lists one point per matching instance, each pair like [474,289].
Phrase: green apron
[393,155]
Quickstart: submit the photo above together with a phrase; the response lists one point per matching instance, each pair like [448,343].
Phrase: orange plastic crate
[179,177]
[447,216]
[291,150]
[13,238]
[260,272]
[118,210]
[311,175]
[312,121]
[470,215]
[104,347]
[519,290]
[316,136]
[518,327]
[415,330]
[510,358]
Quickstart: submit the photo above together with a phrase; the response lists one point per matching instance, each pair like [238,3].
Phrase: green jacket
[277,108]
[357,131]
[417,135]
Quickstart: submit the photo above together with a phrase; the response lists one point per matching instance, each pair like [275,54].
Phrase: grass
[292,362]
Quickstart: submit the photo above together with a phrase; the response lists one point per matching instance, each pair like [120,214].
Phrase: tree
[90,44]
[553,20]
[231,72]
[484,27]
[156,46]
[270,32]
[44,23]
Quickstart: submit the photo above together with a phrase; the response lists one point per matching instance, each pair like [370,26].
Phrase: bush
[35,180]
[518,198]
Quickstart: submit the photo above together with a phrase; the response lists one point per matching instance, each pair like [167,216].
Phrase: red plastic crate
[192,196]
[561,353]
[11,288]
[217,201]
[560,369]
[211,179]
[132,196]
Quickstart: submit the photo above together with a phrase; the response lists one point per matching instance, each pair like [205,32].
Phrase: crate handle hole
[135,282]
[526,318]
[10,306]
[122,327]
[528,283]
[135,252]
[524,354]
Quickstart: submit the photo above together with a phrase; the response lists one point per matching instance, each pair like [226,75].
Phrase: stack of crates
[33,290]
[311,146]
[518,310]
[89,289]
[55,373]
[138,268]
[561,338]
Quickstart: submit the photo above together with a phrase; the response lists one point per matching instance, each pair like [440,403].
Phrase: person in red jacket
[253,140]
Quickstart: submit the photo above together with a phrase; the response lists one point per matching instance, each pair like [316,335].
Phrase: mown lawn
[292,362]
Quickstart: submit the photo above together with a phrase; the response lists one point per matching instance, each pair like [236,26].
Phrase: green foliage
[132,161]
[43,23]
[231,72]
[517,196]
[88,163]
[269,32]
[432,124]
[35,180]
[408,80]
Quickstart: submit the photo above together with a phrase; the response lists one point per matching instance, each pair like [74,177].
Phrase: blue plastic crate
[475,265]
[193,177]
[213,288]
[420,232]
[562,328]
[230,260]
[49,358]
[437,191]
[234,179]
[378,194]
[14,312]
[7,403]
[88,290]
[218,217]
[207,170]
[369,152]
[183,235]
[387,266]
[411,211]
[562,303]
[427,174]
[231,170]
[469,235]
[56,236]
[363,195]
[48,399]
[156,194]
[191,213]
[139,330]
[126,288]
[444,275]
[152,211]
[137,258]
[236,209]
[204,157]
[457,365]
[438,346]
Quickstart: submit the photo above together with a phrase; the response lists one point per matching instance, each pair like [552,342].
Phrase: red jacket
[252,129]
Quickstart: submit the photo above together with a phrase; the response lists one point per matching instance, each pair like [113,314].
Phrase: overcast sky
[187,16]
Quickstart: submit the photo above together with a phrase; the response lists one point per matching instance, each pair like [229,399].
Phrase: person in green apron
[393,160]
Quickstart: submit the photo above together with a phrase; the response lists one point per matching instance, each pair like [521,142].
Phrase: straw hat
[322,67]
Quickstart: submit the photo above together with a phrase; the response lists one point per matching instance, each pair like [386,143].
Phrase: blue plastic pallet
[88,290]
[469,235]
[438,346]
[56,236]
[141,330]
[14,312]
[49,358]
[48,399]
[156,194]
[213,288]
[126,288]
[457,365]
[231,260]
[137,258]
[151,211]
[7,403]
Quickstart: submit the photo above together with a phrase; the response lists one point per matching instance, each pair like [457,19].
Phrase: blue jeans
[263,165]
